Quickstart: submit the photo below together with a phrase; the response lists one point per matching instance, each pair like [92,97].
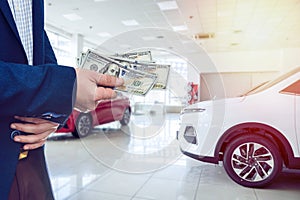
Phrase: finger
[32,139]
[29,119]
[34,146]
[34,128]
[107,80]
[104,93]
[34,120]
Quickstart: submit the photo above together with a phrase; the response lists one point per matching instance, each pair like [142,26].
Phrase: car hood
[218,102]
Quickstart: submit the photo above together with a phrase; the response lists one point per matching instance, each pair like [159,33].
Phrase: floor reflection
[142,161]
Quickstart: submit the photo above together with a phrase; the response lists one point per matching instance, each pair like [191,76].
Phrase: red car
[80,124]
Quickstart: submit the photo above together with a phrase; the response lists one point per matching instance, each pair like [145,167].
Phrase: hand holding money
[92,87]
[135,82]
[160,70]
[139,77]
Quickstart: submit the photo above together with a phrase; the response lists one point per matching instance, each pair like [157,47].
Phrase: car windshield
[254,89]
[269,84]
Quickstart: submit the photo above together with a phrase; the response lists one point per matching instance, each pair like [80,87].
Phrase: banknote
[135,82]
[160,70]
[145,56]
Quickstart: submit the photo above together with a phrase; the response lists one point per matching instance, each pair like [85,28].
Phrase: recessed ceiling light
[179,28]
[104,34]
[167,5]
[130,22]
[72,17]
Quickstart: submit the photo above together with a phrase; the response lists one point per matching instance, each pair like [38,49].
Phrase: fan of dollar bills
[139,72]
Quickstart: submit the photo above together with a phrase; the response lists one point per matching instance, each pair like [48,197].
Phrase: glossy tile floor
[142,161]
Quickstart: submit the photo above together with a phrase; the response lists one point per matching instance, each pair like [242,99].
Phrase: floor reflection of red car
[80,124]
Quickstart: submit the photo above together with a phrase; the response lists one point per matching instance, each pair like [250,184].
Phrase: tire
[126,117]
[252,161]
[83,125]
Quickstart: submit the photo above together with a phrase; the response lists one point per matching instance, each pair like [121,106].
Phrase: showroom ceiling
[218,25]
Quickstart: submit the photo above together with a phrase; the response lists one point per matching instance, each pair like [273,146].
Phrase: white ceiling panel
[237,25]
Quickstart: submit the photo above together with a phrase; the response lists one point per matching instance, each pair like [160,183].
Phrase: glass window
[293,88]
[274,82]
[166,96]
[61,46]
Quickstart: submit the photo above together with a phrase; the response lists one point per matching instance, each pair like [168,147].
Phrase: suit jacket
[44,90]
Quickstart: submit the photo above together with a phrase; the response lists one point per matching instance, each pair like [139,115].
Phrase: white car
[254,135]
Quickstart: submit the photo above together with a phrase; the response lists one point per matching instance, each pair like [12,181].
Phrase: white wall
[238,72]
[249,61]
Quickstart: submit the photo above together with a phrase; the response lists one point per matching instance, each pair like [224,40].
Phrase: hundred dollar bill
[160,70]
[135,82]
[138,56]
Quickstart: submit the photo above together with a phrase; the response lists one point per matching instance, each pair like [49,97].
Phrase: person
[36,97]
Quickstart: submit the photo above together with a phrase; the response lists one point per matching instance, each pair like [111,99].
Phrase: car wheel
[126,117]
[83,125]
[252,161]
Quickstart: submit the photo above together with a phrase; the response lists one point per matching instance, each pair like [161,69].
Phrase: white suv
[255,135]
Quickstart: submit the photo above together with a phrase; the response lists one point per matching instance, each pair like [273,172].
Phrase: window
[292,89]
[62,48]
[167,96]
[275,81]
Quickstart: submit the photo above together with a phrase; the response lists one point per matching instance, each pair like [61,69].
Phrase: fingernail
[17,139]
[13,126]
[120,81]
[25,148]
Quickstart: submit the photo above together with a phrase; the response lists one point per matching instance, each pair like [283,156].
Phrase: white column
[76,44]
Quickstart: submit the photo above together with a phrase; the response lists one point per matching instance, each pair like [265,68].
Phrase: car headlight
[190,135]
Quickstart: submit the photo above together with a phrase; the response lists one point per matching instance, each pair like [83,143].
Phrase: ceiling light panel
[104,34]
[72,17]
[131,22]
[180,28]
[167,5]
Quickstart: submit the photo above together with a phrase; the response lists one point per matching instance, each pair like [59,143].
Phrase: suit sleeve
[41,91]
[49,53]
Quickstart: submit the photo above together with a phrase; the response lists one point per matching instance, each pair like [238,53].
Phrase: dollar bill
[138,56]
[160,70]
[135,82]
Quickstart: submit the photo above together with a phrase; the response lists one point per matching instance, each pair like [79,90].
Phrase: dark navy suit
[44,90]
